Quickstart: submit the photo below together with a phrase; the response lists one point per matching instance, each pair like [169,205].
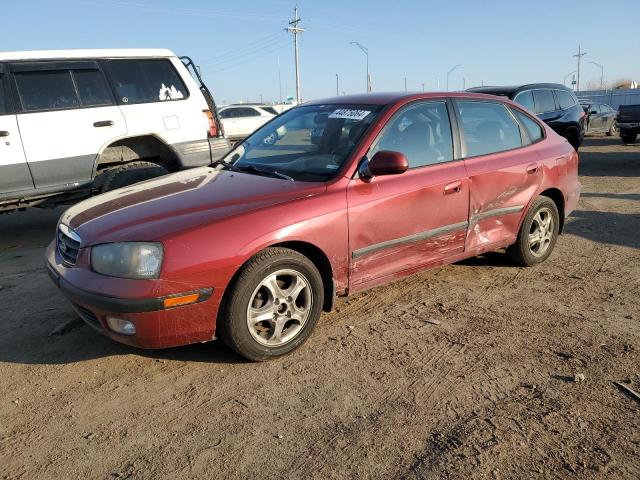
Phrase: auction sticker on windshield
[349,114]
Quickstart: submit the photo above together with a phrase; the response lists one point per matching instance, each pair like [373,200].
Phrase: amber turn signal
[181,300]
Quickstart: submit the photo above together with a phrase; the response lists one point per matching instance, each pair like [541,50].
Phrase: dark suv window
[525,99]
[422,132]
[544,101]
[145,81]
[46,90]
[565,99]
[488,127]
[92,88]
[3,104]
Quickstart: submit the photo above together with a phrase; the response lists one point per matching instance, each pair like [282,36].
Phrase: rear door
[66,115]
[504,171]
[14,171]
[546,108]
[400,223]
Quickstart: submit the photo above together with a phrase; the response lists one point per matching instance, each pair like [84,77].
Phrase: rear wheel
[131,173]
[538,234]
[613,129]
[628,137]
[572,138]
[272,306]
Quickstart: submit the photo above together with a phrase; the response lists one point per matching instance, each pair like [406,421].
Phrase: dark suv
[553,103]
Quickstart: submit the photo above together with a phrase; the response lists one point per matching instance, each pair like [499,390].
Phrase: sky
[245,54]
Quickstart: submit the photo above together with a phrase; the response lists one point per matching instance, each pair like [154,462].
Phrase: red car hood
[155,209]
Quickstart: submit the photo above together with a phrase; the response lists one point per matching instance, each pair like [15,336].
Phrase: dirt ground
[515,382]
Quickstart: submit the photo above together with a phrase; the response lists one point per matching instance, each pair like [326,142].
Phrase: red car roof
[386,98]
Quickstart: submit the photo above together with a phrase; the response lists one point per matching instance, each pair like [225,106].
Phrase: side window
[228,113]
[146,81]
[544,101]
[533,128]
[525,99]
[595,108]
[422,132]
[46,90]
[92,88]
[247,112]
[488,127]
[270,110]
[565,99]
[3,103]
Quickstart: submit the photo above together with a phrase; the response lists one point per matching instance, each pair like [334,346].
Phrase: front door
[401,223]
[504,171]
[67,115]
[14,171]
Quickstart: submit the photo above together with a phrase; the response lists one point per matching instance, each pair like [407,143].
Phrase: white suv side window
[146,81]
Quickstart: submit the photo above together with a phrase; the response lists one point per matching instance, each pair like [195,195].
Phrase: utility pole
[464,83]
[296,30]
[279,80]
[261,99]
[422,87]
[449,73]
[405,84]
[579,56]
[337,86]
[601,74]
[365,50]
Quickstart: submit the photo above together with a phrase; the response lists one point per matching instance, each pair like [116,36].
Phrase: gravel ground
[516,380]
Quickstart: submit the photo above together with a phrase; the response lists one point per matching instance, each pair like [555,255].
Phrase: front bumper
[156,326]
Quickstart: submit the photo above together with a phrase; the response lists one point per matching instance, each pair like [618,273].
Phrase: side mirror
[384,162]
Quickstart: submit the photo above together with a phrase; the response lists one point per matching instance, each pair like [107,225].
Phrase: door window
[565,99]
[488,127]
[421,132]
[46,90]
[525,99]
[92,88]
[544,101]
[228,113]
[146,81]
[247,112]
[595,108]
[531,126]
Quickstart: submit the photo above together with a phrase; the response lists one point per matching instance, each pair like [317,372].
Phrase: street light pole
[579,55]
[449,73]
[337,86]
[601,74]
[365,50]
[564,80]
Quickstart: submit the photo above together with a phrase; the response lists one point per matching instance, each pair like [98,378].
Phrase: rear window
[488,127]
[531,126]
[565,99]
[146,81]
[92,88]
[544,101]
[270,110]
[46,90]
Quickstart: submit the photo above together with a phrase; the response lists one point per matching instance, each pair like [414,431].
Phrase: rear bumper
[156,327]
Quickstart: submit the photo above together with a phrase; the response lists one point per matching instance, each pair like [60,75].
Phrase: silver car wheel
[541,232]
[279,307]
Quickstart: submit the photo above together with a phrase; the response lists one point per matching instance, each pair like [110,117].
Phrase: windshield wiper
[272,173]
[225,165]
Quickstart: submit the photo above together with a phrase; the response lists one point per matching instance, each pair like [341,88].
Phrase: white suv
[78,122]
[240,121]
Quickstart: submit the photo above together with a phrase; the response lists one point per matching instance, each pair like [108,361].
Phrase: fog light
[121,326]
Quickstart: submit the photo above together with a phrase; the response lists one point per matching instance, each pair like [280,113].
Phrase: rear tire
[613,129]
[131,173]
[272,306]
[628,137]
[538,233]
[572,138]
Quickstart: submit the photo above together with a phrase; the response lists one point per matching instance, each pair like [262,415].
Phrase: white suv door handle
[103,123]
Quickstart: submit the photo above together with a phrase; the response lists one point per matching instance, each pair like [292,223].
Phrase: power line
[249,46]
[267,46]
[247,59]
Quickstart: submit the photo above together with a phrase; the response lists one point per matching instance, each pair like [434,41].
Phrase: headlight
[137,260]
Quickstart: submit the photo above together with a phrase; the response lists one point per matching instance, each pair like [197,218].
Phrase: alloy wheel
[541,232]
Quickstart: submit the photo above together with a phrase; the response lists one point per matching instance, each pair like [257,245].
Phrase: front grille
[68,244]
[87,315]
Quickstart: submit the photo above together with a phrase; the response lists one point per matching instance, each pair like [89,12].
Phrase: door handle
[4,133]
[533,168]
[454,187]
[103,123]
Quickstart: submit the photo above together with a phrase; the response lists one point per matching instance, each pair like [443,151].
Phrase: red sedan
[360,191]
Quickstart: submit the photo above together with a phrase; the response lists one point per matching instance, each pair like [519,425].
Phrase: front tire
[538,233]
[613,129]
[272,306]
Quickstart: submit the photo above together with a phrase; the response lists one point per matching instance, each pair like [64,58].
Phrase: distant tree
[620,83]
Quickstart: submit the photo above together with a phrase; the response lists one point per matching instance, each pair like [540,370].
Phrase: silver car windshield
[307,143]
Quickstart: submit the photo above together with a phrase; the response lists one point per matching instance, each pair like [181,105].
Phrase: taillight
[213,128]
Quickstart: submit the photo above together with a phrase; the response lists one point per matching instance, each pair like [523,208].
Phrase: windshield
[307,143]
